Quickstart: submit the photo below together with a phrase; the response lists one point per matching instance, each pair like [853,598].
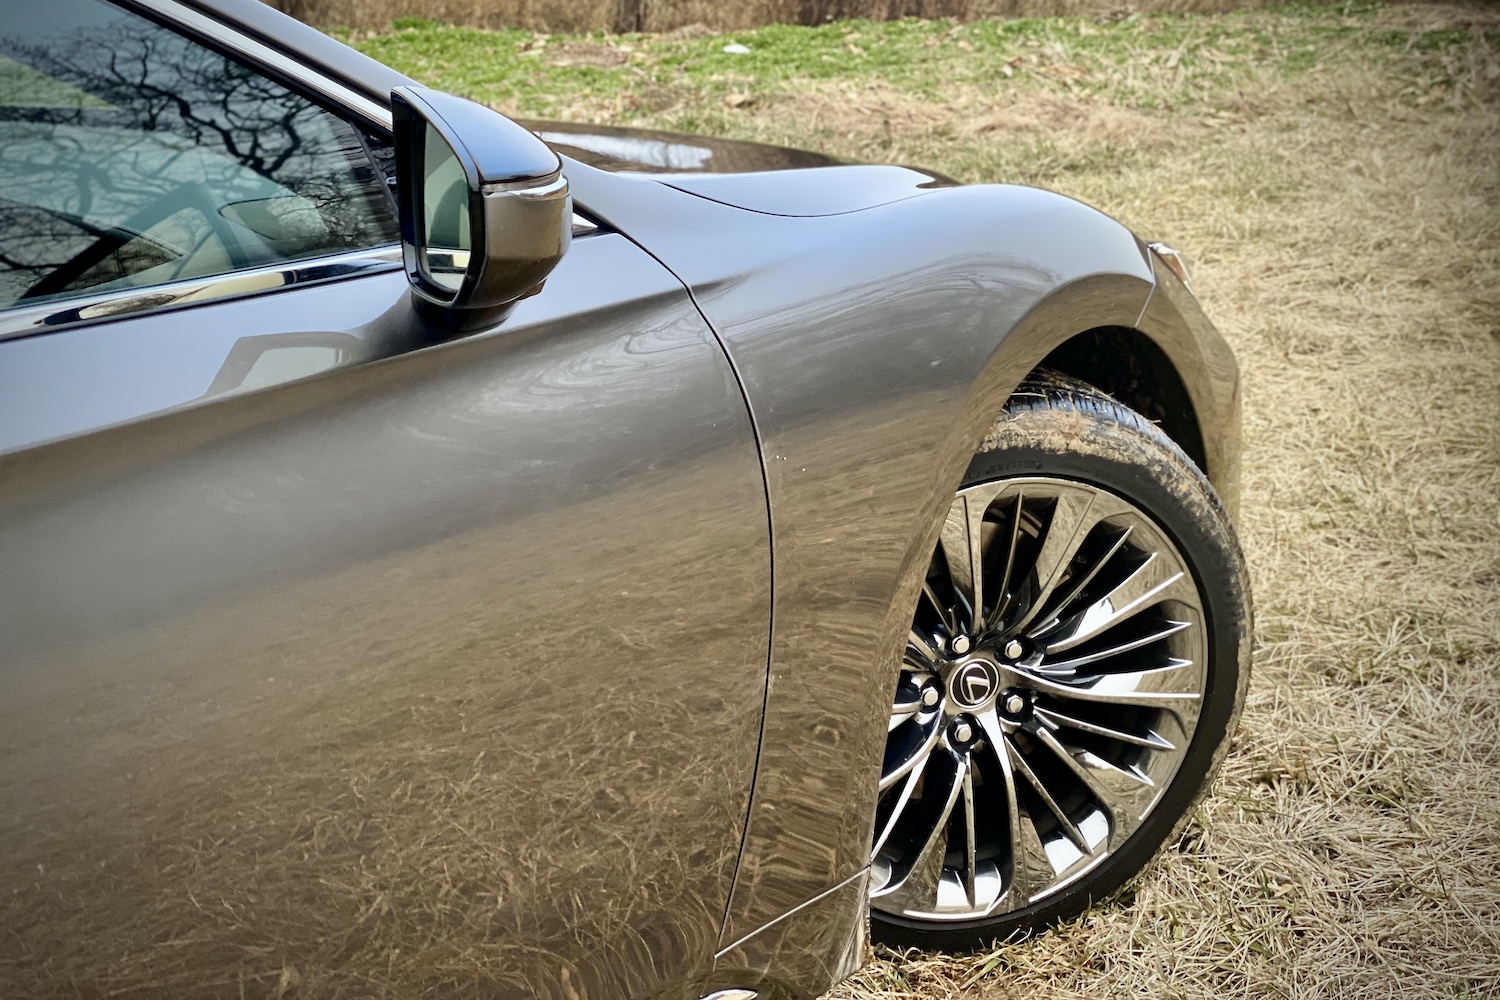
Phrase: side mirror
[485,209]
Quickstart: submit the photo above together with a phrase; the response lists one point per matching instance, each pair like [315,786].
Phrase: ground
[1333,174]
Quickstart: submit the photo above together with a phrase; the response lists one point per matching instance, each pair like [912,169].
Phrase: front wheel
[1076,661]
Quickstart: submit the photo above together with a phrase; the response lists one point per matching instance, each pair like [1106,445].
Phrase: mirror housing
[485,210]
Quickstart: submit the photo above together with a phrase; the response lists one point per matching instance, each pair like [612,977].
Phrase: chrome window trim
[26,321]
[241,44]
[49,316]
[236,41]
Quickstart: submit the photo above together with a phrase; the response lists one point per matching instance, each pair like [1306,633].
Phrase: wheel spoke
[1004,596]
[1072,517]
[945,613]
[1025,771]
[994,732]
[1151,741]
[900,717]
[908,697]
[1167,630]
[918,890]
[1152,582]
[1143,689]
[918,756]
[1126,795]
[1029,855]
[971,862]
[961,539]
[919,649]
[1075,586]
[1029,869]
[902,798]
[1175,678]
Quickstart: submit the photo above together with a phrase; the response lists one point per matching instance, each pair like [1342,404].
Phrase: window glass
[132,156]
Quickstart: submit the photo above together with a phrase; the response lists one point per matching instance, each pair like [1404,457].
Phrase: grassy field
[1333,173]
[667,15]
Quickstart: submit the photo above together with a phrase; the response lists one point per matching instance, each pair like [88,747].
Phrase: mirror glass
[445,214]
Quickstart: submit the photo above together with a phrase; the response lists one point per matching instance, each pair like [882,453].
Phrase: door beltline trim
[51,316]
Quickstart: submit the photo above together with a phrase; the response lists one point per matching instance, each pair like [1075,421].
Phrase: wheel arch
[1169,363]
[1128,365]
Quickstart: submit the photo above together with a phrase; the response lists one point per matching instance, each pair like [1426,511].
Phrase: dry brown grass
[1345,230]
[1347,235]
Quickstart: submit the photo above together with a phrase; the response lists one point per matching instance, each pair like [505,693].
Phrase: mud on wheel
[1076,659]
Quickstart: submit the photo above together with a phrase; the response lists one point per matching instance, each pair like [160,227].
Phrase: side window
[132,156]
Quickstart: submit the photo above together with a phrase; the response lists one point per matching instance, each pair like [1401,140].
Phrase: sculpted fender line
[909,404]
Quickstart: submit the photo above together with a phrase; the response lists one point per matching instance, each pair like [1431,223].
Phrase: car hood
[773,180]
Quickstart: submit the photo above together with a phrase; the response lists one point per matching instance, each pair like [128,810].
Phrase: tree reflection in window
[131,156]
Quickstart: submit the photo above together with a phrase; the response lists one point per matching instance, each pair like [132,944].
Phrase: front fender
[1176,323]
[875,349]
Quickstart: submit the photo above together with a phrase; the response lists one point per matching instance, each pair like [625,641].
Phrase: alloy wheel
[1049,691]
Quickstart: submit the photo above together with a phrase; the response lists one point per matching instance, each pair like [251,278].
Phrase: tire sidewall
[1164,485]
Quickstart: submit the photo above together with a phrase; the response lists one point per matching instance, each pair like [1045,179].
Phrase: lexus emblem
[973,685]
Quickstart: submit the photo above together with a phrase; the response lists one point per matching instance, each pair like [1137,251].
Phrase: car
[447,556]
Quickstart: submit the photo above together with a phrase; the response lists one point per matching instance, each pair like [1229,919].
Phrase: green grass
[1158,61]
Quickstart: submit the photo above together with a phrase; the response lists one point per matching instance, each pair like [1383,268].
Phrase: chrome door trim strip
[50,316]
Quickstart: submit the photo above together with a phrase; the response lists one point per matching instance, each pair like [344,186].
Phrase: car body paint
[379,651]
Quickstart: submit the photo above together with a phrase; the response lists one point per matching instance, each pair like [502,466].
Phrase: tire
[1041,753]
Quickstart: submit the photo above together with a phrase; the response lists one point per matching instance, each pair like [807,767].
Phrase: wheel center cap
[972,685]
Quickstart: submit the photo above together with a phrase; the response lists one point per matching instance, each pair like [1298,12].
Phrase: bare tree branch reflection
[130,136]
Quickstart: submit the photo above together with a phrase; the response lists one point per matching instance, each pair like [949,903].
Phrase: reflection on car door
[337,658]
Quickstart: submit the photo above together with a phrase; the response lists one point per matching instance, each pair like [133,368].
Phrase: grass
[1142,62]
[1334,172]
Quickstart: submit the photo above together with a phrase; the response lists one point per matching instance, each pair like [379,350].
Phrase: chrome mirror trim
[49,316]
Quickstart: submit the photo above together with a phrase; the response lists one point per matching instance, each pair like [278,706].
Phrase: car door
[341,655]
